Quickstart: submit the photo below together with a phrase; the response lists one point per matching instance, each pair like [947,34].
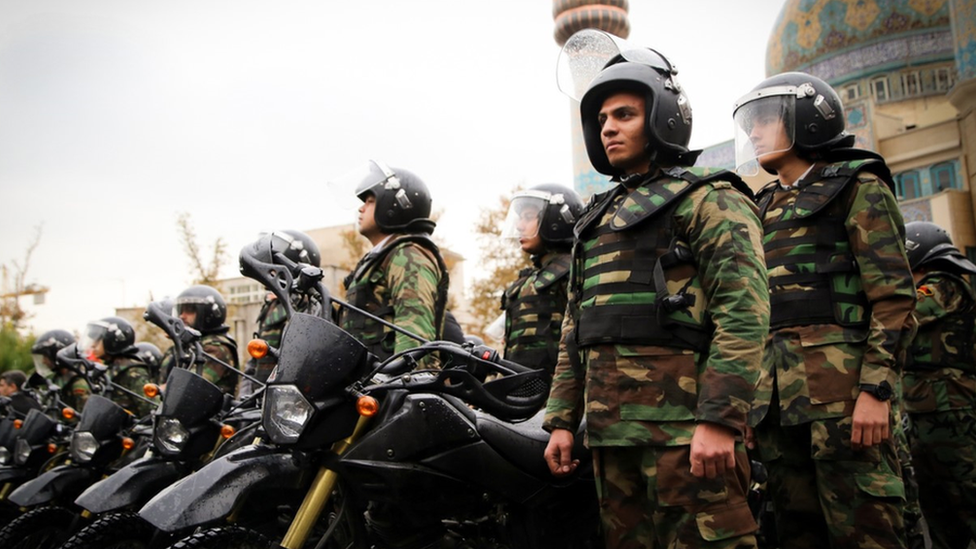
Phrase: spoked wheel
[230,537]
[43,528]
[114,531]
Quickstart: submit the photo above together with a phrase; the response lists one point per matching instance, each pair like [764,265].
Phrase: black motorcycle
[30,446]
[363,446]
[195,423]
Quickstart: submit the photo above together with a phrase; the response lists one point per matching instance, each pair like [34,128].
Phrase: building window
[907,185]
[943,176]
[911,84]
[879,87]
[944,78]
[851,92]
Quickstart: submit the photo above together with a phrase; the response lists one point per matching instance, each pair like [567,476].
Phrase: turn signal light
[227,431]
[257,348]
[52,447]
[128,443]
[367,406]
[18,423]
[151,390]
[68,413]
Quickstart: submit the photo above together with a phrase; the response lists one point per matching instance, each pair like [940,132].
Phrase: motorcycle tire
[42,528]
[229,537]
[113,531]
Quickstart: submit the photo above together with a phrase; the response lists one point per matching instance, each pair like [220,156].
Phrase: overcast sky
[116,115]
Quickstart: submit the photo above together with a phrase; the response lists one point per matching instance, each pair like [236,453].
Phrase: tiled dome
[839,40]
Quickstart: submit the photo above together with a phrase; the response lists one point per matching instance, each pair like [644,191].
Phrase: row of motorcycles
[336,450]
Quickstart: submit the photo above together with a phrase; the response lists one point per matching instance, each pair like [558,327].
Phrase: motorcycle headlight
[83,446]
[286,412]
[5,456]
[22,450]
[171,436]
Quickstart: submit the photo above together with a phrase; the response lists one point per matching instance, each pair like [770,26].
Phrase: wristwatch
[881,391]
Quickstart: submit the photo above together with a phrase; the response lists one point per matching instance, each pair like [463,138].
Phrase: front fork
[318,494]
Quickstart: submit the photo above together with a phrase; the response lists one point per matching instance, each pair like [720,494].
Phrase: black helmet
[559,208]
[208,306]
[402,199]
[668,112]
[149,354]
[810,110]
[929,245]
[297,246]
[47,346]
[116,334]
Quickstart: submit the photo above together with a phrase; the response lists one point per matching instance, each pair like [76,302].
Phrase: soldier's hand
[871,425]
[712,450]
[559,453]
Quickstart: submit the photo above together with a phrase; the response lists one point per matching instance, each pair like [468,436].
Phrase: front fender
[60,481]
[130,486]
[211,493]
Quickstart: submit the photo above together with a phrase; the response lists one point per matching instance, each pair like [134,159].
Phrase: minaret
[571,16]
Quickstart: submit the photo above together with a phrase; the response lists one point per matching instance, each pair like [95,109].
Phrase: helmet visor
[763,127]
[92,344]
[349,190]
[588,51]
[525,215]
[42,365]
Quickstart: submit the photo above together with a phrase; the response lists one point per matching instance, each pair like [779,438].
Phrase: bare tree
[204,272]
[11,313]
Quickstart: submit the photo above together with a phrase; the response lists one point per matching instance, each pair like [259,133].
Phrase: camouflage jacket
[942,371]
[224,349]
[534,306]
[75,390]
[406,287]
[219,346]
[133,376]
[817,367]
[271,324]
[637,394]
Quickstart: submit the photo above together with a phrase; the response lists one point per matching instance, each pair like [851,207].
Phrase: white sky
[115,115]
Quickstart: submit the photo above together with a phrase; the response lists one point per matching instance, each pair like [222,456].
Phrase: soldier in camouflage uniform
[668,311]
[841,297]
[111,341]
[403,279]
[75,390]
[542,220]
[940,386]
[203,309]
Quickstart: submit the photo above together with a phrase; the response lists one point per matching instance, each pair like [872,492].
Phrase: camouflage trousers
[944,455]
[825,493]
[649,499]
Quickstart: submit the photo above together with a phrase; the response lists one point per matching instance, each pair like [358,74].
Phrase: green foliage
[15,350]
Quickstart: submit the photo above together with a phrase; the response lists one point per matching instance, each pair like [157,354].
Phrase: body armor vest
[534,306]
[360,293]
[949,342]
[813,275]
[635,279]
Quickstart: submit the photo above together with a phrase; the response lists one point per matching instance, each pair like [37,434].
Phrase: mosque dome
[842,40]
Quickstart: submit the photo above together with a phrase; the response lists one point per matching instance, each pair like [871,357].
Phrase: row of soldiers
[692,324]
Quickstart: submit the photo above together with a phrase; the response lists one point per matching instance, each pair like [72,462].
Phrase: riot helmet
[791,109]
[403,202]
[297,246]
[202,308]
[549,210]
[929,246]
[149,354]
[109,337]
[594,65]
[45,349]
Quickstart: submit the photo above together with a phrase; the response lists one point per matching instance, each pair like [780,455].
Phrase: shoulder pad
[834,178]
[715,176]
[556,270]
[648,200]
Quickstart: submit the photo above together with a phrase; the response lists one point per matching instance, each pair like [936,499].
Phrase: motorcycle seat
[524,444]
